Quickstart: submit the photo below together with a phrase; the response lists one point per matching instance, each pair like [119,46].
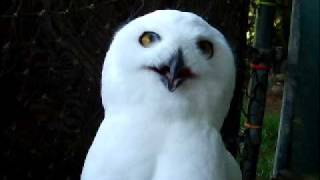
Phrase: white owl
[167,83]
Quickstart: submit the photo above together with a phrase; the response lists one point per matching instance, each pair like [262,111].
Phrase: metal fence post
[260,67]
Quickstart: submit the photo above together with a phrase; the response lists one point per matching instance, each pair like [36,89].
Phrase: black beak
[171,79]
[174,73]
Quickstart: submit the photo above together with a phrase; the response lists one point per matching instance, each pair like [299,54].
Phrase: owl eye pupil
[206,48]
[148,38]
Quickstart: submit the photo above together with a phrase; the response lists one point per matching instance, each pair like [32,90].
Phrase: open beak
[174,73]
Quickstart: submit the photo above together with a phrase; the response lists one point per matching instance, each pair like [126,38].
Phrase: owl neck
[168,115]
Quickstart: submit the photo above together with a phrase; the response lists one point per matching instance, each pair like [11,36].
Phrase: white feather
[150,133]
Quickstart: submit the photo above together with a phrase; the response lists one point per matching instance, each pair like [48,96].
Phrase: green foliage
[281,23]
[269,140]
[251,20]
[268,146]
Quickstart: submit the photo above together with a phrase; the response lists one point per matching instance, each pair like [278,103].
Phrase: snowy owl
[167,83]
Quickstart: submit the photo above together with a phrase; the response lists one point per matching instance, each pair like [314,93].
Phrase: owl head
[169,63]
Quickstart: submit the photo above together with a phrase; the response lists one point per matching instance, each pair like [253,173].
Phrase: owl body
[167,83]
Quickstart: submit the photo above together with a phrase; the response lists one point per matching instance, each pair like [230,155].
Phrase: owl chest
[130,151]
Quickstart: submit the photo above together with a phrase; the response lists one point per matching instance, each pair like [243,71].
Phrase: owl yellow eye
[206,48]
[148,38]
